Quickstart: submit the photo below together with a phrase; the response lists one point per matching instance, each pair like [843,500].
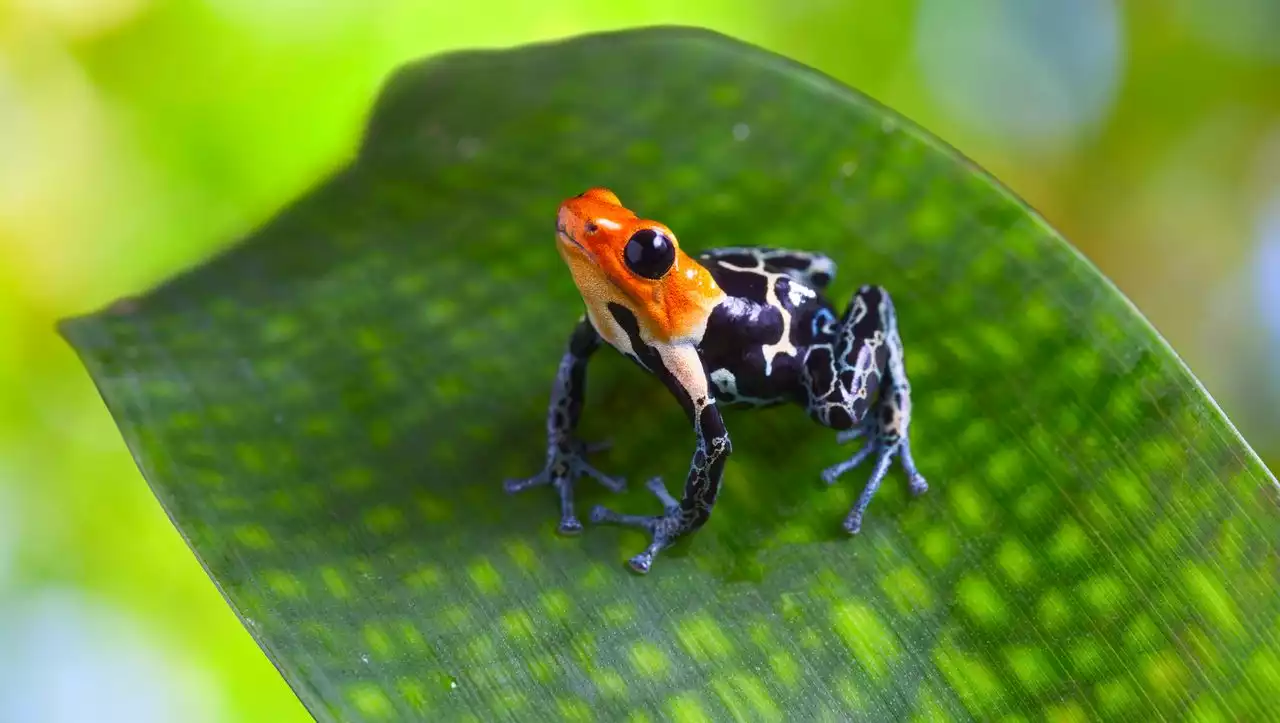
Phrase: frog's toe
[833,473]
[603,515]
[849,435]
[659,489]
[642,563]
[853,523]
[663,528]
[520,484]
[569,526]
[610,482]
[915,480]
[917,484]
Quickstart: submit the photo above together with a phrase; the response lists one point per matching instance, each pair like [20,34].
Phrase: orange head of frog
[617,257]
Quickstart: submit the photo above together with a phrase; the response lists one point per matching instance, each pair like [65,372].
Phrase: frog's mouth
[563,233]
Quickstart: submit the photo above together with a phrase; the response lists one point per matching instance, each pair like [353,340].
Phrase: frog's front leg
[858,385]
[681,370]
[566,455]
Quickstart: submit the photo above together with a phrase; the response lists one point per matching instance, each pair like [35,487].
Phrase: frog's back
[755,340]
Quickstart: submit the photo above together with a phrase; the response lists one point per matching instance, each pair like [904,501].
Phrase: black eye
[650,253]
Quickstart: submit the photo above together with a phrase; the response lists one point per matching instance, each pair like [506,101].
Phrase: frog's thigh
[844,375]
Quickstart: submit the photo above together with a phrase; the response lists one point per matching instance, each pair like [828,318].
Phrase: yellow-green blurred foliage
[137,136]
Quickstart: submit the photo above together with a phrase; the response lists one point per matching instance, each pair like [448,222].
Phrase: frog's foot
[885,451]
[665,527]
[568,462]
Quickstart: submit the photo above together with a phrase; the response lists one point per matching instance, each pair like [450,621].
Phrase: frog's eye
[650,253]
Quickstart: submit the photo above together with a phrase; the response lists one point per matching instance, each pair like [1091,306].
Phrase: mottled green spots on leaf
[1004,467]
[1263,670]
[945,405]
[1116,697]
[573,709]
[411,637]
[384,519]
[785,668]
[378,642]
[610,682]
[254,536]
[251,458]
[702,637]
[485,576]
[980,599]
[1034,505]
[1016,562]
[596,577]
[909,591]
[1212,598]
[929,707]
[1087,657]
[1105,595]
[354,479]
[518,626]
[726,95]
[1207,710]
[413,693]
[523,555]
[1069,544]
[746,697]
[1165,673]
[1066,712]
[938,546]
[371,702]
[1142,635]
[619,614]
[284,584]
[1031,666]
[1054,610]
[969,506]
[426,576]
[873,644]
[687,708]
[335,583]
[997,341]
[649,660]
[976,684]
[556,604]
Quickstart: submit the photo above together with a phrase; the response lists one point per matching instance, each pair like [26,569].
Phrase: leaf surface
[328,409]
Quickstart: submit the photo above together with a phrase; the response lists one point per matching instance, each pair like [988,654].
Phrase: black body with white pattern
[773,339]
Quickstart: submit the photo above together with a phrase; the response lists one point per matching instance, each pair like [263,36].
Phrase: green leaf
[328,409]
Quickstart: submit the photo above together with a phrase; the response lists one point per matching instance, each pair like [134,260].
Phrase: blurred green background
[139,136]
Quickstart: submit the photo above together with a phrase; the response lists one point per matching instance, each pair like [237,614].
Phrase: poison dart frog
[742,326]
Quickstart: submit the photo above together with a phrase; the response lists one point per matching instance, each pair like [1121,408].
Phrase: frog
[728,326]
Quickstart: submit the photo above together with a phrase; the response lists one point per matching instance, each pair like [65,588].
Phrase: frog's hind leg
[864,362]
[810,268]
[885,430]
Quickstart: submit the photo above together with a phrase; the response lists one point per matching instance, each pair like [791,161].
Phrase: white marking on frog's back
[798,293]
[783,345]
[727,384]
